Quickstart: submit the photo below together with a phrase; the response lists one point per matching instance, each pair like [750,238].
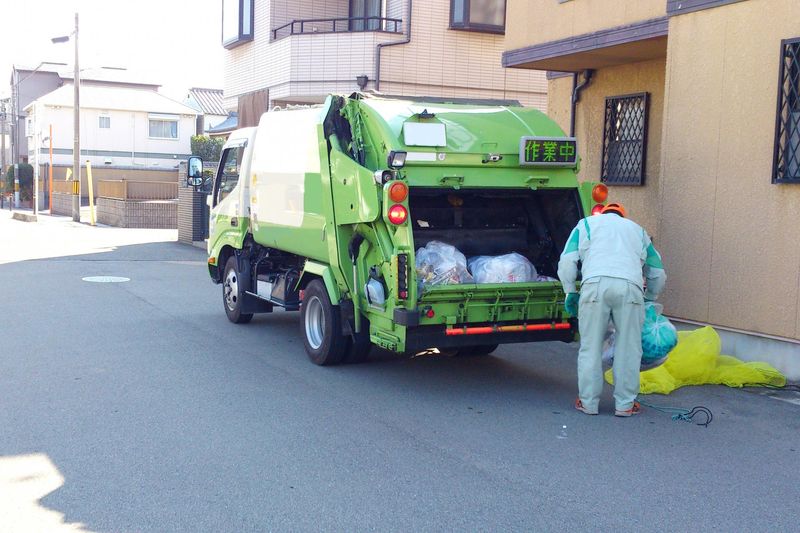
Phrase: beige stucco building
[297,52]
[703,147]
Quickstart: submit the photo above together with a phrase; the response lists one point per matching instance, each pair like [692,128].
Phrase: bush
[7,185]
[25,180]
[25,174]
[207,148]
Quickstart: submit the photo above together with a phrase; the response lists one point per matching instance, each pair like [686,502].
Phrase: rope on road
[679,413]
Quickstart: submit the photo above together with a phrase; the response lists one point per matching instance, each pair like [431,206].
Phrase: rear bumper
[424,337]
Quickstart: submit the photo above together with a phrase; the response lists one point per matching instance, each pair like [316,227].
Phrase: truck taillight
[600,193]
[397,214]
[398,192]
[596,210]
[402,276]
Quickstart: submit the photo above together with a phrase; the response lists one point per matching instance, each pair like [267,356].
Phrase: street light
[76,150]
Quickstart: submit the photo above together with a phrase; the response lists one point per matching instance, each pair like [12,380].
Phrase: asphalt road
[137,406]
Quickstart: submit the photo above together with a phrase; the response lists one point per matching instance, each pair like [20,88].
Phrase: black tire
[475,351]
[233,287]
[321,324]
[358,345]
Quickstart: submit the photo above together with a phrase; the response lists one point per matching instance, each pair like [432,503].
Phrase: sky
[173,42]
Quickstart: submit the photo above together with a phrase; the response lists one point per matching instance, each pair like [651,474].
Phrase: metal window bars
[786,159]
[337,25]
[625,139]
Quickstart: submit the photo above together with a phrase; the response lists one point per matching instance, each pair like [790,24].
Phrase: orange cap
[615,208]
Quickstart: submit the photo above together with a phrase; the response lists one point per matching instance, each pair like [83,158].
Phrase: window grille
[786,161]
[105,122]
[625,140]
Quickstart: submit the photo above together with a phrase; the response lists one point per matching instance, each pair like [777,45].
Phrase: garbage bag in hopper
[509,268]
[441,264]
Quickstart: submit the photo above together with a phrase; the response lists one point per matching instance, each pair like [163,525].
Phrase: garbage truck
[323,209]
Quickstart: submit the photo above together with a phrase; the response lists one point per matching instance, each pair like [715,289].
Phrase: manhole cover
[106,279]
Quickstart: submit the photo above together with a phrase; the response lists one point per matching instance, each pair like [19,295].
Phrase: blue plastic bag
[659,337]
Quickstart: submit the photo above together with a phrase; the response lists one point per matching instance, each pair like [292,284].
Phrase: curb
[24,217]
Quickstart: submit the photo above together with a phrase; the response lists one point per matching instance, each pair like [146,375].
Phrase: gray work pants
[622,301]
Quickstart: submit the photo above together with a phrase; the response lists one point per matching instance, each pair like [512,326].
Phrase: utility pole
[3,118]
[2,139]
[76,150]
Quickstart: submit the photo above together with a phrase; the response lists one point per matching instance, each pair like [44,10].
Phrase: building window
[163,128]
[786,163]
[105,122]
[237,22]
[625,140]
[365,15]
[478,15]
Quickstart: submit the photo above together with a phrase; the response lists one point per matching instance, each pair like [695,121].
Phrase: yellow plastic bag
[696,360]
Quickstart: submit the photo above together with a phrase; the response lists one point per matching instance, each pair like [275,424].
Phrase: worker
[615,256]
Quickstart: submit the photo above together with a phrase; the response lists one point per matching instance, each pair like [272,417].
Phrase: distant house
[126,133]
[223,129]
[208,102]
[29,83]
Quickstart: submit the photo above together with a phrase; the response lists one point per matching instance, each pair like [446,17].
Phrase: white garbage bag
[509,268]
[441,264]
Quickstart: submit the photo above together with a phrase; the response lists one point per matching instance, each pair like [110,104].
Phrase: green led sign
[548,151]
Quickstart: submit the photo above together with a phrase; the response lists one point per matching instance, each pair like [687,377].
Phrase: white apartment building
[285,51]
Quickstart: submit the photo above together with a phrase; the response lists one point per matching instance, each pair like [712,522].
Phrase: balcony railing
[337,25]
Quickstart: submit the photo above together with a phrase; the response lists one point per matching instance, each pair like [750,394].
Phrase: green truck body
[306,210]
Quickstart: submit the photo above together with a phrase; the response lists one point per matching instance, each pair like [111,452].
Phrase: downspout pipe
[576,96]
[381,46]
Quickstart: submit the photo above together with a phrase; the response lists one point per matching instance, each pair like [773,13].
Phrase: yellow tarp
[696,360]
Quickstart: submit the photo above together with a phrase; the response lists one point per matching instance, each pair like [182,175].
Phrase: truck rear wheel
[474,351]
[322,326]
[233,287]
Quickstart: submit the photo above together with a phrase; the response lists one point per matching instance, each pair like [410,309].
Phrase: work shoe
[635,410]
[579,406]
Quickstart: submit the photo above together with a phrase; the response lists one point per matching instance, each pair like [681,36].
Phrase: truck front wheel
[322,327]
[233,287]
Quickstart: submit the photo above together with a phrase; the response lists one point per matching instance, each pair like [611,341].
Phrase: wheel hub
[314,322]
[231,290]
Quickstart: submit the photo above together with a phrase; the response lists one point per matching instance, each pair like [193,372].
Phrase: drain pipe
[380,47]
[576,96]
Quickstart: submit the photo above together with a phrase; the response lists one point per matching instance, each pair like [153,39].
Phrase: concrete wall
[728,234]
[106,173]
[641,201]
[524,26]
[62,204]
[155,214]
[126,143]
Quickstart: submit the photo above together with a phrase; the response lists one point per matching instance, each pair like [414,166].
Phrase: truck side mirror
[194,174]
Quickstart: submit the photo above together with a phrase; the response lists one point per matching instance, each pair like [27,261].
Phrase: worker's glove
[571,303]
